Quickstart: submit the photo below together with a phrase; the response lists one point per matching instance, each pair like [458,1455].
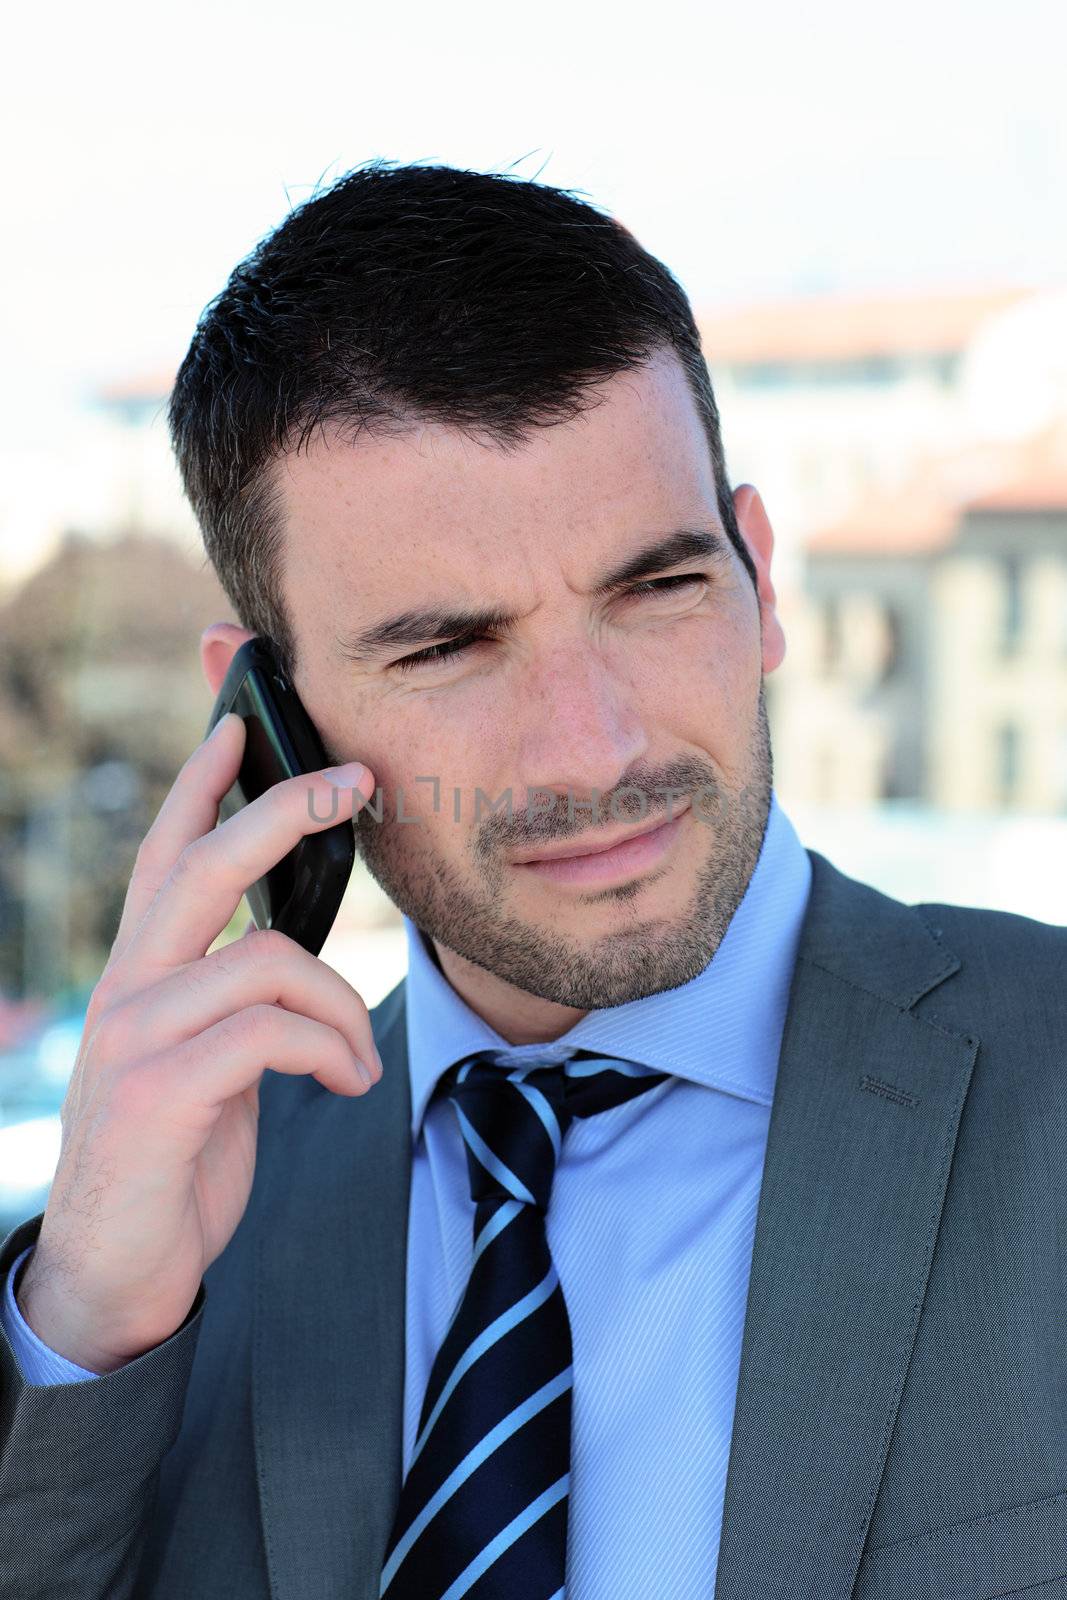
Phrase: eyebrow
[426,624]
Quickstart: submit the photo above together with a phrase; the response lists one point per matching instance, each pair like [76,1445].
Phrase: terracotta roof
[1028,475]
[1035,480]
[913,522]
[834,328]
[1032,494]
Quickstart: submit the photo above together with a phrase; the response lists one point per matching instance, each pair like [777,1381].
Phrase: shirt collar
[722,1028]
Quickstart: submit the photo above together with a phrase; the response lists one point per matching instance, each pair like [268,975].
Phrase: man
[702,1228]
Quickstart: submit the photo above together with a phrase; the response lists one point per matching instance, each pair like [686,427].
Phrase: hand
[160,1117]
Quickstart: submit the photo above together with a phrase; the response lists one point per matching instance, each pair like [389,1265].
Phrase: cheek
[428,749]
[707,667]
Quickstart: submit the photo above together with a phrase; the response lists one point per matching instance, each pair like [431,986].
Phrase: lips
[638,856]
[590,845]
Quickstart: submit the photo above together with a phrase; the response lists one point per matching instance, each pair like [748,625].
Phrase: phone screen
[301,895]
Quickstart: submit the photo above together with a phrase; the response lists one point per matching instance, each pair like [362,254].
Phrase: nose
[580,728]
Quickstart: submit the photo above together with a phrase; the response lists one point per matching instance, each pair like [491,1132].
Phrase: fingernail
[345,777]
[224,718]
[365,1074]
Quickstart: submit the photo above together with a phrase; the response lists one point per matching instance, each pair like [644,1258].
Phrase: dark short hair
[403,293]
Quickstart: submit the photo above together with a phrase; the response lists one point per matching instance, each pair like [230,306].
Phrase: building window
[893,643]
[831,633]
[872,371]
[1007,761]
[1012,612]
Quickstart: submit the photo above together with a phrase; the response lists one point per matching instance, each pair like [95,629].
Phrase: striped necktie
[482,1512]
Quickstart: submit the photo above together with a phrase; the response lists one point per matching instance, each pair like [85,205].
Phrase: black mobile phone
[301,895]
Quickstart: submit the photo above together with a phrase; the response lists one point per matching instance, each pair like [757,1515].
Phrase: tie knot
[514,1118]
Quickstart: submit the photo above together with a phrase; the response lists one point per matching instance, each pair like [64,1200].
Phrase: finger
[261,968]
[232,1056]
[207,881]
[189,810]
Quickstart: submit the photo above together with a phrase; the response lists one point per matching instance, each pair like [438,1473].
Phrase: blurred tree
[100,655]
[101,700]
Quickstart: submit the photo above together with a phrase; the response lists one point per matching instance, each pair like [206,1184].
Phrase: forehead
[637,455]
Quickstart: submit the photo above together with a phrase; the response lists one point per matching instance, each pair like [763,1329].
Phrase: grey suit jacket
[901,1415]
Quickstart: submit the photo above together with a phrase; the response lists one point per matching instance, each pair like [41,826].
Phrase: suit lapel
[862,1131]
[329,1347]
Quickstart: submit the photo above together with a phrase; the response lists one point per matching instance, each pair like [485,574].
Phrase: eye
[663,585]
[435,653]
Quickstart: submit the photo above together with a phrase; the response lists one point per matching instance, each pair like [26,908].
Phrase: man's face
[646,704]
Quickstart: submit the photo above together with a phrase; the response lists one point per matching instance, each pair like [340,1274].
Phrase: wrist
[48,1317]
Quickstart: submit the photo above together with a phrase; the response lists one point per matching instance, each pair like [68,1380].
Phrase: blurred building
[929,655]
[828,400]
[911,453]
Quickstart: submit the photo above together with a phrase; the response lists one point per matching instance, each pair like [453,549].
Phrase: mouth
[593,862]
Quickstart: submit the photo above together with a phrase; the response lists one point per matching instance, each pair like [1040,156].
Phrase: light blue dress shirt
[651,1225]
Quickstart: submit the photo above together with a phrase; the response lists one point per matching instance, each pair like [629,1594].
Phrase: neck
[517,1016]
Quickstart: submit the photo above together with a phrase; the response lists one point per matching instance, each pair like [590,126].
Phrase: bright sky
[757,148]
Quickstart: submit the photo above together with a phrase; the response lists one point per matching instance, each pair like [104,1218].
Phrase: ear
[219,643]
[758,535]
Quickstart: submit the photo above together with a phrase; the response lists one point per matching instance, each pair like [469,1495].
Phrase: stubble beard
[465,911]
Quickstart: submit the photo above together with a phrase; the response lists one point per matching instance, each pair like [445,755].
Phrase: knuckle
[267,947]
[189,862]
[103,997]
[338,1039]
[355,1006]
[198,974]
[336,1047]
[111,1038]
[145,860]
[149,866]
[248,1029]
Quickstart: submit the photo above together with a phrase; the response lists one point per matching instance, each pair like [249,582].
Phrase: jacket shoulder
[971,929]
[1012,967]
